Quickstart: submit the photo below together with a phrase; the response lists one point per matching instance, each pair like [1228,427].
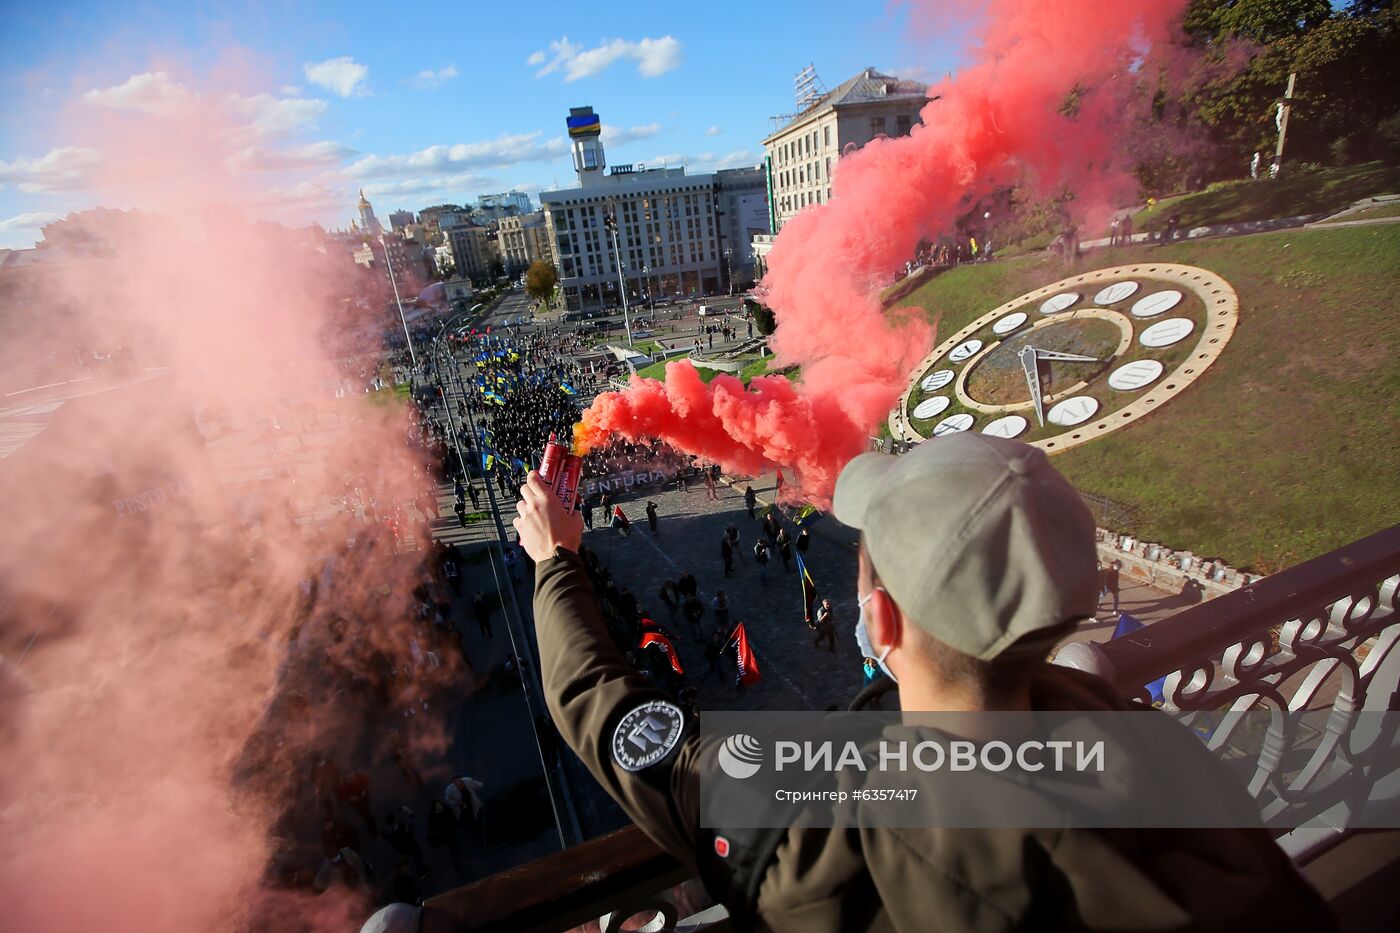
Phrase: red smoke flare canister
[562,470]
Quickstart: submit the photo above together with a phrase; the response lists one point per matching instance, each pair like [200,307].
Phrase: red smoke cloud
[997,121]
[162,683]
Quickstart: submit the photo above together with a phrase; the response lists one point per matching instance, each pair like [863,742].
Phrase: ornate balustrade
[1316,642]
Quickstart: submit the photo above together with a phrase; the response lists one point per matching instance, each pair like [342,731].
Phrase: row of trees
[1205,124]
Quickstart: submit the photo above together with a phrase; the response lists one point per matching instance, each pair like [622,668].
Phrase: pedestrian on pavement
[1111,583]
[784,544]
[694,611]
[398,830]
[826,626]
[481,609]
[680,481]
[720,606]
[710,486]
[760,557]
[442,831]
[804,540]
[354,793]
[726,553]
[475,496]
[770,526]
[461,509]
[713,652]
[731,531]
[687,585]
[588,513]
[671,597]
[750,501]
[651,516]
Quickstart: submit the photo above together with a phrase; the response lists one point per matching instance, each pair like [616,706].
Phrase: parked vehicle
[706,311]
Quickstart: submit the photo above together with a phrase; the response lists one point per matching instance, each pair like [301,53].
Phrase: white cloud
[290,90]
[324,154]
[619,136]
[29,220]
[428,79]
[445,184]
[151,92]
[278,116]
[62,169]
[341,75]
[653,57]
[503,150]
[710,161]
[713,131]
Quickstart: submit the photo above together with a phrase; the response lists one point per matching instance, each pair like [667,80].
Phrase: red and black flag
[748,674]
[664,643]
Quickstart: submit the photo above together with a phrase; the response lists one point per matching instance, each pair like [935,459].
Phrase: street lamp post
[729,268]
[395,286]
[651,297]
[611,223]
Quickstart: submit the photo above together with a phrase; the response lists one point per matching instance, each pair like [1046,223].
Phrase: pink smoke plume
[155,719]
[999,120]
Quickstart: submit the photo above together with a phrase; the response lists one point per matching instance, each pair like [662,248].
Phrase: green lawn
[1287,447]
[757,367]
[1296,193]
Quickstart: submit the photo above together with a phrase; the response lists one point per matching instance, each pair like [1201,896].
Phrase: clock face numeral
[1115,293]
[937,380]
[1010,426]
[1009,323]
[1165,333]
[952,425]
[930,407]
[1060,302]
[1133,376]
[1073,411]
[963,350]
[1156,303]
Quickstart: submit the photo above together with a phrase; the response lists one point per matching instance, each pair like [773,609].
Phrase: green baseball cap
[978,539]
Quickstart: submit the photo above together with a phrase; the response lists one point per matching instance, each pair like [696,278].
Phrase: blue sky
[425,104]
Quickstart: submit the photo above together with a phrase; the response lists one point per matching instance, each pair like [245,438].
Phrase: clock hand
[1030,365]
[1065,357]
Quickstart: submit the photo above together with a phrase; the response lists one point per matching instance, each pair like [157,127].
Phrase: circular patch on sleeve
[647,734]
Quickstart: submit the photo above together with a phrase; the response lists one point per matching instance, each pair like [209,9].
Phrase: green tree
[540,280]
[763,320]
[1262,21]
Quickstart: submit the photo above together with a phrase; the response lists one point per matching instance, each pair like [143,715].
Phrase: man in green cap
[976,558]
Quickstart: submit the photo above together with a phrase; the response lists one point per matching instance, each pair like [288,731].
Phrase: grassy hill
[1289,446]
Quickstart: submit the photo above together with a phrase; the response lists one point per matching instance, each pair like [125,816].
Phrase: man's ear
[883,621]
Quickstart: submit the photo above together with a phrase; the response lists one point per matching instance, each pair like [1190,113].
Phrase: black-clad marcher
[726,553]
[826,626]
[784,544]
[750,501]
[651,516]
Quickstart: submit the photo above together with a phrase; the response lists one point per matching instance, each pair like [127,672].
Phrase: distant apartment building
[475,251]
[400,219]
[508,202]
[522,240]
[442,216]
[801,156]
[671,228]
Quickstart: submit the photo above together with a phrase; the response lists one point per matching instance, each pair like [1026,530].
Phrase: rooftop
[865,87]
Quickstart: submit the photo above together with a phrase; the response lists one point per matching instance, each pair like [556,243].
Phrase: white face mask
[863,638]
